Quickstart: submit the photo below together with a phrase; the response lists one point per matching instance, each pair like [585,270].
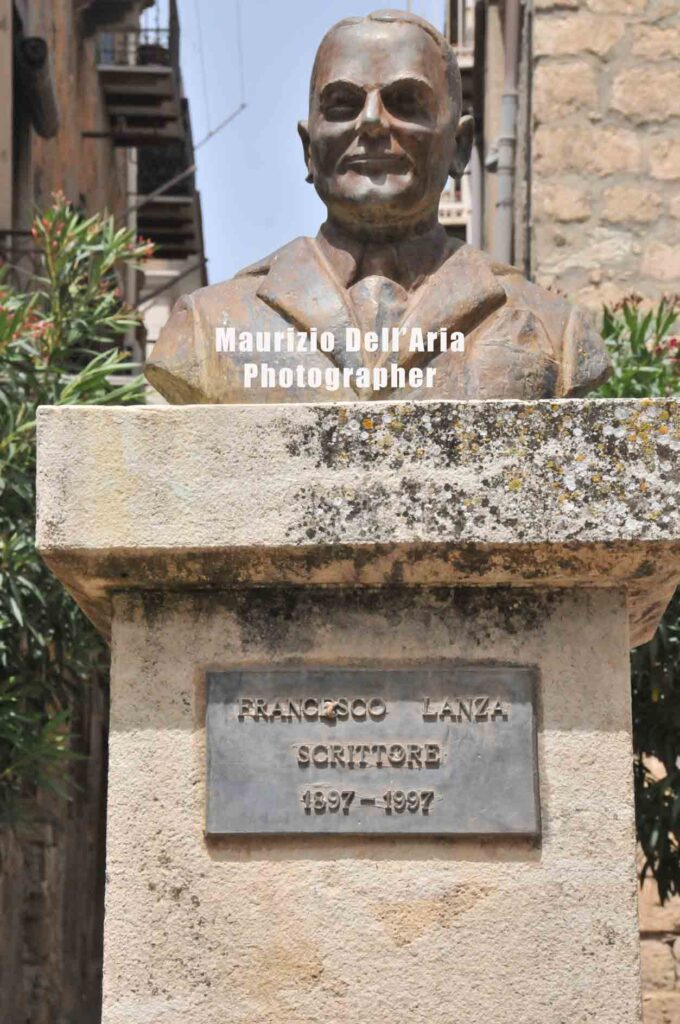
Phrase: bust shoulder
[261,267]
[183,365]
[576,344]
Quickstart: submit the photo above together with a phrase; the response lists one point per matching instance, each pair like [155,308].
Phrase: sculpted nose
[372,120]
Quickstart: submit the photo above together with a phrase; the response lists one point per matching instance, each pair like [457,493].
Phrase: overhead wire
[242,81]
[223,124]
[212,132]
[201,53]
[239,50]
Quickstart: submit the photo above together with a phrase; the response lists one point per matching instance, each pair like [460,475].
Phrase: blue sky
[251,175]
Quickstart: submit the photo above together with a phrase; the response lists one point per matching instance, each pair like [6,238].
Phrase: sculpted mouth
[378,163]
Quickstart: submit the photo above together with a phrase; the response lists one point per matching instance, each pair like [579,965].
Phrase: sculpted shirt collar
[409,263]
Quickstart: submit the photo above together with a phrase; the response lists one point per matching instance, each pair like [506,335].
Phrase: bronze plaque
[417,751]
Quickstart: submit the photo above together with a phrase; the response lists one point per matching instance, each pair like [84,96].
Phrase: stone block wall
[660,954]
[605,163]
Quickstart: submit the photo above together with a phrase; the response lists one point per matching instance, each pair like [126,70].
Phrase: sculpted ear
[464,138]
[303,132]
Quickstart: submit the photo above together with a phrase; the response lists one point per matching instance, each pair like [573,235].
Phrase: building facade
[578,106]
[91,104]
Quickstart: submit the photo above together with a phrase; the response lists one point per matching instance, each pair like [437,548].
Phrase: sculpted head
[384,129]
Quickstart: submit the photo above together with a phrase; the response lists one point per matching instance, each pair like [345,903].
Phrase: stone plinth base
[400,931]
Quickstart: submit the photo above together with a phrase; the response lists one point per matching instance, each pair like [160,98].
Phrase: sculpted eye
[342,104]
[343,111]
[407,101]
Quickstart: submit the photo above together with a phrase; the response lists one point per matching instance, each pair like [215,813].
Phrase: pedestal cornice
[554,494]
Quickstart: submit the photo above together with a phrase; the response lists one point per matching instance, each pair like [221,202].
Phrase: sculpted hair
[405,17]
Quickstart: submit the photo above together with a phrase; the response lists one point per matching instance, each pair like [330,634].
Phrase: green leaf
[57,346]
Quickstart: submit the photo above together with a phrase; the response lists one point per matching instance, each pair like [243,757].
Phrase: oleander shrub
[59,345]
[645,351]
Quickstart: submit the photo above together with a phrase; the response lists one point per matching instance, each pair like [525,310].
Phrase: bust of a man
[384,133]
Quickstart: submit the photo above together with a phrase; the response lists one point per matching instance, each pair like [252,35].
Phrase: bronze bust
[383,135]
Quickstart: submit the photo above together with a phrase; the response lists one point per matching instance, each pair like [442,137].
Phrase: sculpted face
[381,138]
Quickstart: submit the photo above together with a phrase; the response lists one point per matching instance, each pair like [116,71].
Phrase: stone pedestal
[374,536]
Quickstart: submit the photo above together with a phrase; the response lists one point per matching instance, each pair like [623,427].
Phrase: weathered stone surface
[657,42]
[561,89]
[658,965]
[664,158]
[560,149]
[674,206]
[631,203]
[655,918]
[657,10]
[562,203]
[341,929]
[661,1008]
[604,292]
[375,534]
[647,93]
[577,33]
[617,6]
[571,493]
[662,261]
[602,247]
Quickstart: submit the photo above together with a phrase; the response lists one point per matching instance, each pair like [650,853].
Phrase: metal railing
[461,25]
[138,47]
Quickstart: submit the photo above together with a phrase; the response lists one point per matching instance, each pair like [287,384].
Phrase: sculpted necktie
[378,300]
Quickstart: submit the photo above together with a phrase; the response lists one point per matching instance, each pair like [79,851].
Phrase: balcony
[461,31]
[139,73]
[173,223]
[97,14]
[172,220]
[460,27]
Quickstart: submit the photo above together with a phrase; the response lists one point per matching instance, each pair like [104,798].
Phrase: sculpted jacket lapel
[457,297]
[302,287]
